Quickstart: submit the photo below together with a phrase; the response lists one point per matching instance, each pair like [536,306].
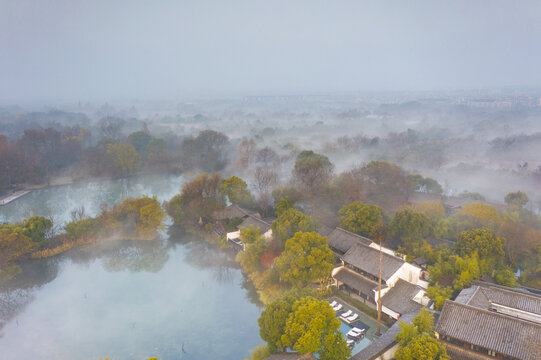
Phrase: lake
[175,298]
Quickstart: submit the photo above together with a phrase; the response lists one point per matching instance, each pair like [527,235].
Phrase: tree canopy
[312,171]
[291,221]
[416,341]
[518,199]
[312,327]
[236,191]
[411,228]
[306,258]
[482,241]
[362,219]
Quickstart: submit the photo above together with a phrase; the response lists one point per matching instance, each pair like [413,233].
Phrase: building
[403,286]
[488,321]
[234,237]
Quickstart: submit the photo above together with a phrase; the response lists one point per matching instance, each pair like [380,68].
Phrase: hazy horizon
[75,50]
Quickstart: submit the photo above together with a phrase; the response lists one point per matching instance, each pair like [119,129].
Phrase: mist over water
[133,301]
[58,201]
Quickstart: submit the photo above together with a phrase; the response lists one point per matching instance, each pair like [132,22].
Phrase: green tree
[312,171]
[260,352]
[411,228]
[362,219]
[481,215]
[283,205]
[312,327]
[255,246]
[306,258]
[82,228]
[505,276]
[483,241]
[518,199]
[416,341]
[198,199]
[13,246]
[385,184]
[236,191]
[291,221]
[124,156]
[140,141]
[426,185]
[272,322]
[439,294]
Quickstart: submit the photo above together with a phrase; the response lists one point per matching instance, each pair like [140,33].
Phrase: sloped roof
[342,240]
[366,259]
[230,212]
[256,222]
[355,281]
[482,296]
[504,334]
[400,298]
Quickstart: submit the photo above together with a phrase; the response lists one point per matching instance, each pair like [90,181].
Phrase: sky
[100,49]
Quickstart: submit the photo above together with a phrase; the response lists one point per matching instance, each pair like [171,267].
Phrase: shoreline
[13,196]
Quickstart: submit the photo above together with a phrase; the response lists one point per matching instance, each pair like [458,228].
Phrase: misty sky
[99,49]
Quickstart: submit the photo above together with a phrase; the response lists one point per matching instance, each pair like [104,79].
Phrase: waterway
[175,298]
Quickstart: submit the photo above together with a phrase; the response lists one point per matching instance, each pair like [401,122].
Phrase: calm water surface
[59,201]
[131,300]
[125,300]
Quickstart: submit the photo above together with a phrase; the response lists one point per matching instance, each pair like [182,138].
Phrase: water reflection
[132,300]
[58,201]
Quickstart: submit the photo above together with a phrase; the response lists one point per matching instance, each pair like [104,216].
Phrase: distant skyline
[69,50]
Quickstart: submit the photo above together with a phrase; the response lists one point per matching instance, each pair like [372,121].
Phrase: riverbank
[13,196]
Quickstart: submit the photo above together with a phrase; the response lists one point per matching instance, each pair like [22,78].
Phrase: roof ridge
[490,313]
[374,249]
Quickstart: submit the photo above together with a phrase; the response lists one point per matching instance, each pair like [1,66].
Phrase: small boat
[338,307]
[334,303]
[346,314]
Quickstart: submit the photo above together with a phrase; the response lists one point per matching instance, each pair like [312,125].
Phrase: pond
[175,298]
[57,202]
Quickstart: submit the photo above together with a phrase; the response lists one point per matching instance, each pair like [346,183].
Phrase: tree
[426,185]
[140,141]
[13,246]
[198,199]
[206,150]
[236,191]
[416,341]
[272,322]
[518,199]
[482,241]
[291,221]
[283,205]
[439,294]
[306,258]
[245,154]
[312,327]
[312,171]
[433,209]
[260,352]
[362,219]
[481,215]
[385,184]
[411,228]
[255,246]
[124,156]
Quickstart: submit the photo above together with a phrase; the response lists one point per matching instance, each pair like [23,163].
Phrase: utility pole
[378,331]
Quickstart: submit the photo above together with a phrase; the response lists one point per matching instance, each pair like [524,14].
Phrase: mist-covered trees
[483,241]
[518,199]
[198,199]
[236,191]
[254,246]
[312,171]
[305,259]
[13,247]
[124,157]
[362,219]
[206,151]
[411,228]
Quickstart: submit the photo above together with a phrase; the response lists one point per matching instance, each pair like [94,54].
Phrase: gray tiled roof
[355,281]
[399,298]
[342,240]
[256,222]
[366,259]
[504,334]
[230,212]
[482,295]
